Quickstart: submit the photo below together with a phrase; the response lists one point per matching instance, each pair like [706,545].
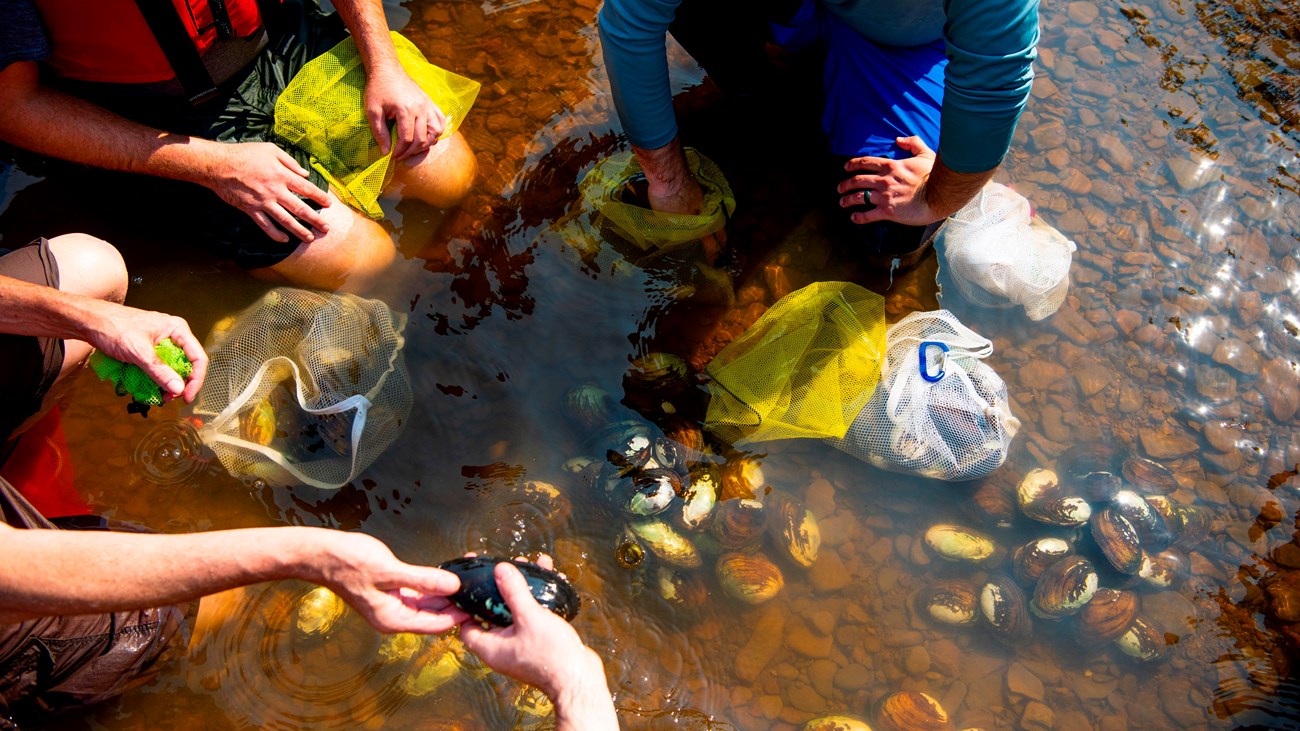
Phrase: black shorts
[28,364]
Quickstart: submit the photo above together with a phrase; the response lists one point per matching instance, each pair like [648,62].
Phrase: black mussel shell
[478,595]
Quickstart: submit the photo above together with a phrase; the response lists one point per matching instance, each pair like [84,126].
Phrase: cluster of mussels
[1111,530]
[675,503]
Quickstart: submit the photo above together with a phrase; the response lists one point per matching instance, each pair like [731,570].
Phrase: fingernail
[175,386]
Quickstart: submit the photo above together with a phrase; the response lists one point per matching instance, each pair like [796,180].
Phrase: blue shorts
[874,93]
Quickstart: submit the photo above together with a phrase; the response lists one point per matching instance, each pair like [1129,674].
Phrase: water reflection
[1160,138]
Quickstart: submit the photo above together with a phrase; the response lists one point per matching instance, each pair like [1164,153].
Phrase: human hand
[395,95]
[129,335]
[265,182]
[895,187]
[539,648]
[685,196]
[393,596]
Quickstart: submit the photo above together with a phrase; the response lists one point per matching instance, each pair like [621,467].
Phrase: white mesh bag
[1000,255]
[305,387]
[939,410]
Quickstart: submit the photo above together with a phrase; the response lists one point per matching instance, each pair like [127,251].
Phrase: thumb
[161,373]
[429,580]
[514,589]
[914,145]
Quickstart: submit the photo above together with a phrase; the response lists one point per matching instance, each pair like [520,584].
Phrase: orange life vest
[110,41]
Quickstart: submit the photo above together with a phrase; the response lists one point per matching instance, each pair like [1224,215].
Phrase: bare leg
[356,251]
[350,257]
[215,611]
[91,267]
[441,177]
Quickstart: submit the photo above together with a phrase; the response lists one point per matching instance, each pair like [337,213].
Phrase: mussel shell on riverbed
[479,597]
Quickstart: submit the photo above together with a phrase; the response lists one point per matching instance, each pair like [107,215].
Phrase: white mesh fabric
[1000,255]
[958,428]
[328,367]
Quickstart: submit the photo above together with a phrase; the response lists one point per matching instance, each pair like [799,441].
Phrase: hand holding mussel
[480,598]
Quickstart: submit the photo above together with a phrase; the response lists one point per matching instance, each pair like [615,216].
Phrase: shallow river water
[1161,138]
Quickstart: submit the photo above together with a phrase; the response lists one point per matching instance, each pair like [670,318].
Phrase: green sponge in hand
[130,379]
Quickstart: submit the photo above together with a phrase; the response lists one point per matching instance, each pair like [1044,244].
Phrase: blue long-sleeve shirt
[990,45]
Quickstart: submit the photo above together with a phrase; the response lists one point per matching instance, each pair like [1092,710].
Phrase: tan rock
[1127,321]
[1189,175]
[1237,355]
[1116,152]
[804,697]
[804,641]
[1037,717]
[1041,375]
[916,661]
[764,642]
[1092,378]
[1022,683]
[853,676]
[828,573]
[1166,444]
[1083,13]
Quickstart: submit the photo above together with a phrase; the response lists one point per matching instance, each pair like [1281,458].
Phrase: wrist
[581,686]
[665,168]
[301,553]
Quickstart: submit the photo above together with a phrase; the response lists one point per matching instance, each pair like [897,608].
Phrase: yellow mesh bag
[322,111]
[806,368]
[608,209]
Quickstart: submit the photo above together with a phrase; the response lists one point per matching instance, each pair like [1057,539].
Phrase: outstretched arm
[257,177]
[126,333]
[390,92]
[49,572]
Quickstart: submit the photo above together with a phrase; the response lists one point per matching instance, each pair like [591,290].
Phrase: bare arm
[48,572]
[390,91]
[917,190]
[257,177]
[126,333]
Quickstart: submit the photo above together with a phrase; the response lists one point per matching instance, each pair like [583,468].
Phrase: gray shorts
[28,364]
[53,663]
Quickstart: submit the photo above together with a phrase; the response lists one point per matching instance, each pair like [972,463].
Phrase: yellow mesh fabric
[322,111]
[804,369]
[606,210]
